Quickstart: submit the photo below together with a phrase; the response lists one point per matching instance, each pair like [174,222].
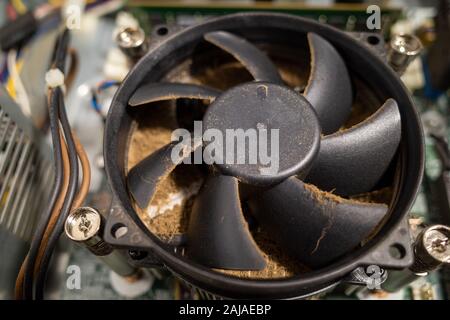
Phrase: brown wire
[58,206]
[86,170]
[52,220]
[80,197]
[19,280]
[78,201]
[81,194]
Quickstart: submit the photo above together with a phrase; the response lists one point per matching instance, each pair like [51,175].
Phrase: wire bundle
[66,195]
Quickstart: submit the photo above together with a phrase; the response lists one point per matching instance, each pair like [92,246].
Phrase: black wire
[57,184]
[60,55]
[72,189]
[58,61]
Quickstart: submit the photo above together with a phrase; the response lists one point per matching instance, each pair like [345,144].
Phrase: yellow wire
[20,7]
[10,84]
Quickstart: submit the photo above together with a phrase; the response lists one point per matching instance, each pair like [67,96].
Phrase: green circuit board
[96,283]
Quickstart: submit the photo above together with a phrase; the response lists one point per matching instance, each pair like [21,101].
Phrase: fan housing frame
[155,253]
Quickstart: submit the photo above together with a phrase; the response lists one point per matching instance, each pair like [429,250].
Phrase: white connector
[54,78]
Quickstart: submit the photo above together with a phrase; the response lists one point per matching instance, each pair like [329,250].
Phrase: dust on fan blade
[256,61]
[352,161]
[152,92]
[313,226]
[143,178]
[218,235]
[329,88]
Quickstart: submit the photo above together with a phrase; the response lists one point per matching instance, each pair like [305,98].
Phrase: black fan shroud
[173,49]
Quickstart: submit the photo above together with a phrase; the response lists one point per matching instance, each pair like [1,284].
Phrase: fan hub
[263,133]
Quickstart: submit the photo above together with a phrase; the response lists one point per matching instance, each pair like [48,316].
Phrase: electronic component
[216,218]
[336,224]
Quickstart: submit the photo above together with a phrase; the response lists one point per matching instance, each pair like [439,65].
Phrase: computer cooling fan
[322,230]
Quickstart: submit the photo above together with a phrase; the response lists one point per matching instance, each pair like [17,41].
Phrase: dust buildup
[154,125]
[173,221]
[278,264]
[383,195]
[365,103]
[224,76]
[231,74]
[323,196]
[152,131]
[150,135]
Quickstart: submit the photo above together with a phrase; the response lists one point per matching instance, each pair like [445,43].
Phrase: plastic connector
[15,33]
[54,78]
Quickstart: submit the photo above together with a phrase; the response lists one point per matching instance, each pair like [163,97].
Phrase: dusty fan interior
[168,213]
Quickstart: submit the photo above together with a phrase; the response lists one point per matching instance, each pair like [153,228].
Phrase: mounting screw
[84,226]
[132,42]
[432,249]
[403,49]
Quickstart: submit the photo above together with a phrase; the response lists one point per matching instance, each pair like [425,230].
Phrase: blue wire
[103,86]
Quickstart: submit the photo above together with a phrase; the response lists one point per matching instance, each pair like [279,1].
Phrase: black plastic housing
[265,27]
[13,34]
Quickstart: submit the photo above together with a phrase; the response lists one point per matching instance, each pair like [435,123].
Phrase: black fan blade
[218,235]
[353,161]
[256,61]
[152,92]
[329,87]
[314,227]
[143,178]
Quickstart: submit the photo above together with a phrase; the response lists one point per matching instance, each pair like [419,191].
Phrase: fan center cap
[261,133]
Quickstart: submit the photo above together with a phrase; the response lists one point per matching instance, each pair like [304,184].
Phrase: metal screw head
[436,240]
[404,48]
[83,223]
[406,44]
[130,37]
